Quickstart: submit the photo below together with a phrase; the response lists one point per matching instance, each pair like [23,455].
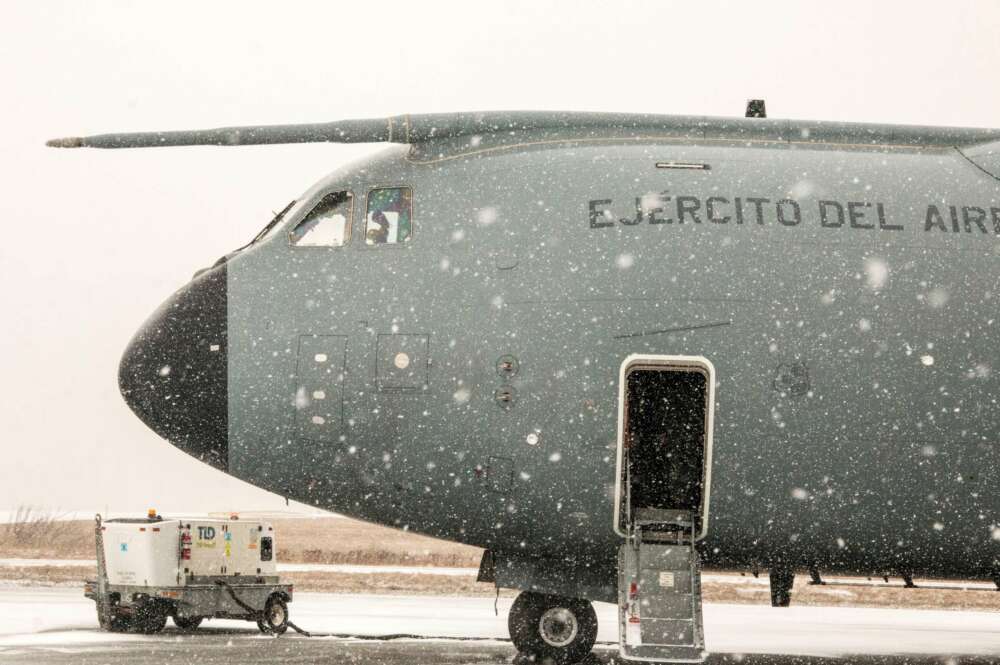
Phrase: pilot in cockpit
[380,234]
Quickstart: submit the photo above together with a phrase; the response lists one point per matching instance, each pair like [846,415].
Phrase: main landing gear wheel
[551,628]
[275,619]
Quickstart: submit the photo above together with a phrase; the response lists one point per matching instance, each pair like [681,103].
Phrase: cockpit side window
[327,225]
[388,218]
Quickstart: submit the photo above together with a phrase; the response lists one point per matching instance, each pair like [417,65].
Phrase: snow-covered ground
[38,563]
[282,567]
[47,617]
[375,570]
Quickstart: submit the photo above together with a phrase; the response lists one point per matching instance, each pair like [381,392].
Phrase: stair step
[660,583]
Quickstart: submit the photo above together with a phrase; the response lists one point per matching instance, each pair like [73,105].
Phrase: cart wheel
[149,618]
[113,622]
[551,628]
[189,624]
[275,618]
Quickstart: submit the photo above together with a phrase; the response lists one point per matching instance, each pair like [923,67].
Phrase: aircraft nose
[174,372]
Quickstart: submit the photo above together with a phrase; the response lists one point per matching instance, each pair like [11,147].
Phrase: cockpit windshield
[271,226]
[263,233]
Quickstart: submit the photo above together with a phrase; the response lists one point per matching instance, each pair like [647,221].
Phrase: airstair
[659,590]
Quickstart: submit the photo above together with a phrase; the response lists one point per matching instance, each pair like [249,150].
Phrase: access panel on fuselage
[319,393]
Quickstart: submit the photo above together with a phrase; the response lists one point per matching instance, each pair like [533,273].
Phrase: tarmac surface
[216,649]
[58,625]
[219,648]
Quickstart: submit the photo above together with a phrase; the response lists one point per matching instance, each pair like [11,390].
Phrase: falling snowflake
[486,216]
[937,298]
[876,273]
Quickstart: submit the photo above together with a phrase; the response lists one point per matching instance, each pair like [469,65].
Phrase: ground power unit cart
[152,568]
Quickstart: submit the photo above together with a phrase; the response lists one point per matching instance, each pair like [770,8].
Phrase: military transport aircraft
[609,349]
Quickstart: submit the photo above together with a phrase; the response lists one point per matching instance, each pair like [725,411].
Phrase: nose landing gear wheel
[552,628]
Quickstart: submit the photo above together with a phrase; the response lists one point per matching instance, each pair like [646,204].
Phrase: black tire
[112,621]
[149,618]
[189,624]
[120,624]
[275,619]
[551,628]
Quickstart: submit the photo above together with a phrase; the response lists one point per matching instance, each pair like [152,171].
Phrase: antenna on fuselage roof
[755,109]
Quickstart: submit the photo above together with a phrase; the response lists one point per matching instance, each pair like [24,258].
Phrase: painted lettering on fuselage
[664,208]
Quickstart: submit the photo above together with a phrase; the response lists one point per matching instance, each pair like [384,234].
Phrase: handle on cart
[103,602]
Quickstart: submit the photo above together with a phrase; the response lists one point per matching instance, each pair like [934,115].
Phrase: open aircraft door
[664,465]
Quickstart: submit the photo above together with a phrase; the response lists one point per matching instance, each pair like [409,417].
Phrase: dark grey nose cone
[174,373]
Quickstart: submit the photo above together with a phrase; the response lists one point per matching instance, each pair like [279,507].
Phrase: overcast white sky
[95,240]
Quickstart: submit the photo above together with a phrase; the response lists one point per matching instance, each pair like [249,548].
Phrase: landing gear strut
[552,628]
[781,586]
[814,577]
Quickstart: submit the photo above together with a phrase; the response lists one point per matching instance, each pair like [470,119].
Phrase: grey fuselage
[851,318]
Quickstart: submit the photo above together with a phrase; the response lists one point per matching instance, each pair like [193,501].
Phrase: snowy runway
[52,624]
